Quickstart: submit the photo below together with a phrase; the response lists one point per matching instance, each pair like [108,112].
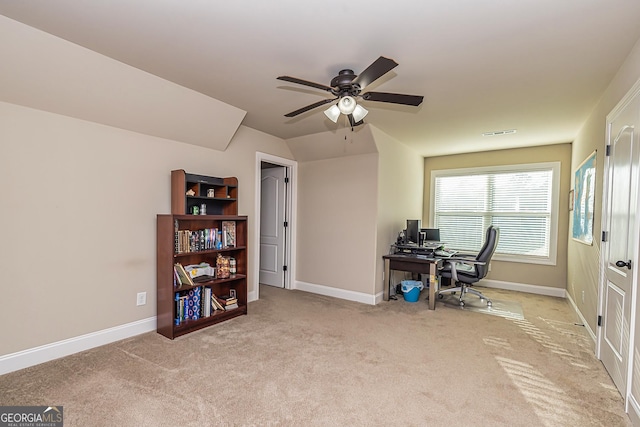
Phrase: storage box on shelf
[170,251]
[218,195]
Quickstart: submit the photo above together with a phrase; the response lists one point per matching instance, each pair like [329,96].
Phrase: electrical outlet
[142,298]
[489,266]
[583,297]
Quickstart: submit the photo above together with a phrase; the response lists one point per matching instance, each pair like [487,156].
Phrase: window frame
[555,168]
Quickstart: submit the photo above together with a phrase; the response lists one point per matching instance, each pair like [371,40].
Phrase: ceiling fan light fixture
[332,113]
[359,113]
[347,104]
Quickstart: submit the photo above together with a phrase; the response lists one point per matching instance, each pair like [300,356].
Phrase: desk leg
[386,281]
[433,285]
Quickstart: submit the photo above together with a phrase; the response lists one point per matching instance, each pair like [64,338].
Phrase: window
[522,200]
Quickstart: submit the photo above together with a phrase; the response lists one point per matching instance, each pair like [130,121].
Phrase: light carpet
[300,359]
[502,308]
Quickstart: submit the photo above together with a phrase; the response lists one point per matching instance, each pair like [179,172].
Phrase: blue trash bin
[411,290]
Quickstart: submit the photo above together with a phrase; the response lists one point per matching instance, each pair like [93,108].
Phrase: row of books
[206,239]
[197,240]
[200,302]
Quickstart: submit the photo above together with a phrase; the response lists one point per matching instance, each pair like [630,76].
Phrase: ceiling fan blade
[352,121]
[309,107]
[304,82]
[394,98]
[380,67]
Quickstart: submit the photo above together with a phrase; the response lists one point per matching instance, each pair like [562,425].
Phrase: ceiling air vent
[500,132]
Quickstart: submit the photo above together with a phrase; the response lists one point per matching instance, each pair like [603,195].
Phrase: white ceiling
[538,66]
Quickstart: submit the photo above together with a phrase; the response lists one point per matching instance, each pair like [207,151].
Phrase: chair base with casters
[464,289]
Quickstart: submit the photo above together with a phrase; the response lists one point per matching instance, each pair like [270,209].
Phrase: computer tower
[413,231]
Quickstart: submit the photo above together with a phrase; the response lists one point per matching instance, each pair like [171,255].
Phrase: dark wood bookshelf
[167,257]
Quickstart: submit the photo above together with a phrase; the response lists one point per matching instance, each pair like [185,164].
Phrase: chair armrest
[463,255]
[453,261]
[464,261]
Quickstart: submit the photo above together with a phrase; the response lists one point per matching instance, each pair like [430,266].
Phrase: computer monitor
[430,234]
[413,231]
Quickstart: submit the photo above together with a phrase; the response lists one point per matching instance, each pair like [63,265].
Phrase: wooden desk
[415,264]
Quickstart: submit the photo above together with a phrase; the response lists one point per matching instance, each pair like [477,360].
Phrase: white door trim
[290,212]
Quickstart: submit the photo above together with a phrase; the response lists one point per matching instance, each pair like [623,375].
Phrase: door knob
[623,264]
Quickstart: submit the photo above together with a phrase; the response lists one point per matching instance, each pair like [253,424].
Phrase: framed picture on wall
[584,198]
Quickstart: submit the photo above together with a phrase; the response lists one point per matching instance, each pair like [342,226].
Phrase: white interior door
[619,250]
[272,229]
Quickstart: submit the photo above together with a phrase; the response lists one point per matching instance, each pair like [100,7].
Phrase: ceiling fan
[347,86]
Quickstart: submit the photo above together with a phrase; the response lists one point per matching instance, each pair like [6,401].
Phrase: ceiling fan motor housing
[342,84]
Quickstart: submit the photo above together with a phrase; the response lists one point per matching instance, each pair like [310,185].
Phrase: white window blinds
[520,200]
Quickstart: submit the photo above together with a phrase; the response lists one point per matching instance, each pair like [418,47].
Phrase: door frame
[615,112]
[290,215]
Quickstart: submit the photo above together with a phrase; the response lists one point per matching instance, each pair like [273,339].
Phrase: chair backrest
[487,250]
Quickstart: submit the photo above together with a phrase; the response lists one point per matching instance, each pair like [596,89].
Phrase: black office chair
[465,271]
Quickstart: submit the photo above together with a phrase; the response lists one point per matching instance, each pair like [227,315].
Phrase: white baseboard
[633,410]
[375,299]
[523,287]
[591,333]
[34,356]
[335,292]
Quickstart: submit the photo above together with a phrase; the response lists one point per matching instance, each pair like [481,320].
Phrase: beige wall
[79,199]
[400,192]
[351,208]
[554,276]
[583,274]
[337,203]
[79,202]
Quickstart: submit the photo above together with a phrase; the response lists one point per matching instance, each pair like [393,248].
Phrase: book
[202,279]
[231,306]
[227,299]
[206,302]
[185,278]
[216,303]
[229,234]
[193,300]
[177,283]
[183,239]
[182,305]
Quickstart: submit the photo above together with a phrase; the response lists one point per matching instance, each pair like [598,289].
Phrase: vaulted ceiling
[538,66]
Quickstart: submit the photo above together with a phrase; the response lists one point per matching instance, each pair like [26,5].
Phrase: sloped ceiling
[48,73]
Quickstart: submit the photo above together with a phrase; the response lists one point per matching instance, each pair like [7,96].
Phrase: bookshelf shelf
[210,251]
[217,317]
